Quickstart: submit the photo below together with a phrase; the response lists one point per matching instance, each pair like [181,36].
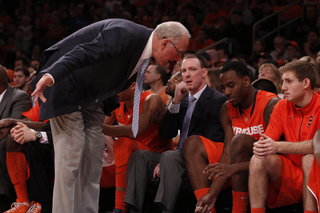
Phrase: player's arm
[316,145]
[269,109]
[108,120]
[267,146]
[151,108]
[208,200]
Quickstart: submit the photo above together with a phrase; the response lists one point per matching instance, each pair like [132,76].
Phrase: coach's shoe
[19,207]
[35,207]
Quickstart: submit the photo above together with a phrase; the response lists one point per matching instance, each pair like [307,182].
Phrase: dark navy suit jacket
[205,120]
[91,65]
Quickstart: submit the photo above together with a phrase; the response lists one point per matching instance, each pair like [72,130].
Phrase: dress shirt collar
[2,94]
[198,94]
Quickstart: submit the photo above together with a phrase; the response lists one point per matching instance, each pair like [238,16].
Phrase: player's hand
[217,170]
[264,146]
[156,171]
[45,80]
[22,134]
[205,204]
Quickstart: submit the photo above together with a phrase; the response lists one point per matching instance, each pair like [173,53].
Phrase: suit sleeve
[21,103]
[108,44]
[169,126]
[214,130]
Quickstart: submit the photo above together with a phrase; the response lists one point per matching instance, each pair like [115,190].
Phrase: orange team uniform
[297,124]
[123,147]
[213,18]
[242,122]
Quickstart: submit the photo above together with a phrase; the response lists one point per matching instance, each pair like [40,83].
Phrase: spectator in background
[156,78]
[279,51]
[258,47]
[20,62]
[21,42]
[292,47]
[21,79]
[213,55]
[212,78]
[211,21]
[201,41]
[312,46]
[239,5]
[192,25]
[272,73]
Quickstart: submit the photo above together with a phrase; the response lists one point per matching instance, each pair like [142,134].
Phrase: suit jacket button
[97,100]
[79,107]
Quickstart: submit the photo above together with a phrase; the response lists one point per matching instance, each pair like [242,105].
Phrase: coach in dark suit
[84,72]
[12,104]
[205,121]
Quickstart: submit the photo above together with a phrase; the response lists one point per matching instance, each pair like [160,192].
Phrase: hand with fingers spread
[22,134]
[264,146]
[217,170]
[46,80]
[156,171]
[205,204]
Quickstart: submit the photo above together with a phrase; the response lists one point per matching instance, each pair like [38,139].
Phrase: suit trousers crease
[78,146]
[139,172]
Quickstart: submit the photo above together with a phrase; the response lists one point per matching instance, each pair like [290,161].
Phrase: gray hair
[173,30]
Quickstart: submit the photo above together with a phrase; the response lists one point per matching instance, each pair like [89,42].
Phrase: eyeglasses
[175,47]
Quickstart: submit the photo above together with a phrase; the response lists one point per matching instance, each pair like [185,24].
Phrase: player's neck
[250,98]
[305,100]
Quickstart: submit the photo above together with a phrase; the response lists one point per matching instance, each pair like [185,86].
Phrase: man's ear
[247,81]
[164,43]
[306,83]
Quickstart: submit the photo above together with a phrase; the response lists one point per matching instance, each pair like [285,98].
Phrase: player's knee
[256,164]
[191,144]
[241,143]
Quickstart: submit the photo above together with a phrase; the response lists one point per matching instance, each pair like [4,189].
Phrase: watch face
[38,135]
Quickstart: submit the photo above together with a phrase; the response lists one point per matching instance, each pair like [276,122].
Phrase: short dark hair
[24,60]
[201,59]
[162,71]
[25,71]
[237,66]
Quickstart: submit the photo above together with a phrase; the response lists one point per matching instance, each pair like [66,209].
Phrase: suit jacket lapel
[4,101]
[200,108]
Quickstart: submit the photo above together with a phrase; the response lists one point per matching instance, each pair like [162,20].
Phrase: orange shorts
[290,190]
[214,151]
[108,178]
[314,182]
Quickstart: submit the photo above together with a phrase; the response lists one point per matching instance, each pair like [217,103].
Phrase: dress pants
[172,171]
[139,172]
[40,159]
[78,145]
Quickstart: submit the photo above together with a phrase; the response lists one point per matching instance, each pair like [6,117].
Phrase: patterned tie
[186,122]
[137,95]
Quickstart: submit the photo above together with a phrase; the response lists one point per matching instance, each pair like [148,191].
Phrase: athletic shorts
[290,191]
[314,181]
[214,151]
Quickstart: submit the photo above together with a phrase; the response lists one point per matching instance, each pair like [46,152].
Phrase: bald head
[172,29]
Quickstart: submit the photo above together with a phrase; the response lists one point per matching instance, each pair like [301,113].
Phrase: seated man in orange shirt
[243,116]
[151,112]
[277,180]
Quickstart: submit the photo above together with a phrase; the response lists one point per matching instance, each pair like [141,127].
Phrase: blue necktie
[137,95]
[186,122]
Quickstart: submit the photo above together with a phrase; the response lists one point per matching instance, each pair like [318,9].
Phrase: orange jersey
[297,124]
[150,137]
[250,121]
[33,113]
[314,181]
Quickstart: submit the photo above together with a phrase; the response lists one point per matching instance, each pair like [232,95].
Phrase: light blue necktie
[137,95]
[186,121]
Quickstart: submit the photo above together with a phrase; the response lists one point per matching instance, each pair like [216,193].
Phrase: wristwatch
[38,136]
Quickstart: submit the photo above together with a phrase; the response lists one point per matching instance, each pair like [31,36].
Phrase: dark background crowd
[28,27]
